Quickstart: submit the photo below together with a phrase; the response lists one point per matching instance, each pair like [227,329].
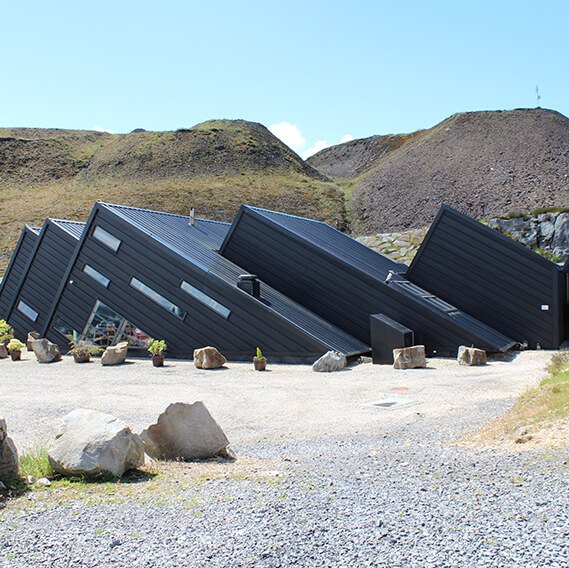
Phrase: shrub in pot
[157,349]
[259,362]
[15,347]
[82,351]
[6,332]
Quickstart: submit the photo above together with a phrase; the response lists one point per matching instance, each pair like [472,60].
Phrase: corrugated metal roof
[200,243]
[36,230]
[74,228]
[334,242]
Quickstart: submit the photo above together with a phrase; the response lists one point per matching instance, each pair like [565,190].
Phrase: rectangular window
[107,239]
[96,275]
[30,313]
[158,298]
[65,330]
[205,299]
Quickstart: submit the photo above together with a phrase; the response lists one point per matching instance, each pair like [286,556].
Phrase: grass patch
[35,462]
[537,409]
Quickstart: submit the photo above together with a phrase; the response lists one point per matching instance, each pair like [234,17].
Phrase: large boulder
[8,454]
[185,431]
[45,350]
[330,362]
[471,356]
[3,351]
[94,444]
[208,358]
[115,355]
[409,357]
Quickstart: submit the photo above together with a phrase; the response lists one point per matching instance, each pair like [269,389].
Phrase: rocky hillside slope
[214,167]
[482,163]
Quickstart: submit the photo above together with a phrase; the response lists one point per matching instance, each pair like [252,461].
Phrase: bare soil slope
[214,167]
[483,163]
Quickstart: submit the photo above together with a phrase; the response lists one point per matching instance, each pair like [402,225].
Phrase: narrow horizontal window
[107,239]
[96,275]
[158,298]
[30,313]
[205,299]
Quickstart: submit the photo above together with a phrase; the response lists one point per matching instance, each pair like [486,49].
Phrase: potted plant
[157,349]
[6,332]
[15,347]
[82,351]
[259,361]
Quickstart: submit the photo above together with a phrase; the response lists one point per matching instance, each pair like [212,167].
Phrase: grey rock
[330,362]
[185,431]
[560,241]
[8,454]
[3,351]
[32,336]
[115,355]
[409,357]
[208,358]
[45,351]
[471,356]
[91,444]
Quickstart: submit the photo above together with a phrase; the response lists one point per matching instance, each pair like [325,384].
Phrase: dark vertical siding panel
[13,275]
[249,325]
[496,280]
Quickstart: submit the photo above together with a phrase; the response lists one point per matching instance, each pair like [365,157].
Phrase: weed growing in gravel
[35,462]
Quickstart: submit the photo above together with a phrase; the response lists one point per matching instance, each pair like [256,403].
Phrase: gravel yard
[322,479]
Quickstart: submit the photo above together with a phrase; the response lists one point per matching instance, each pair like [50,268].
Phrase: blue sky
[315,71]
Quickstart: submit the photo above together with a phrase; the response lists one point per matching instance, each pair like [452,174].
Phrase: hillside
[483,163]
[214,167]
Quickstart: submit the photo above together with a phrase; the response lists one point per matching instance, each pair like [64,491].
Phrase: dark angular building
[42,276]
[139,273]
[10,284]
[495,279]
[345,282]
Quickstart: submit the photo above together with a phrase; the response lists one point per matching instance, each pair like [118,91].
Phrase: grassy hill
[482,163]
[215,167]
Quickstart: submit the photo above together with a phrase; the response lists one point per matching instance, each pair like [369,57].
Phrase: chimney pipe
[250,283]
[192,216]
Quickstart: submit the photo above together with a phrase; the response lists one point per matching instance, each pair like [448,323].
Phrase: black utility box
[387,335]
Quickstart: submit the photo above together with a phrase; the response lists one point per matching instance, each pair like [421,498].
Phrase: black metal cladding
[345,282]
[498,281]
[43,273]
[162,250]
[15,271]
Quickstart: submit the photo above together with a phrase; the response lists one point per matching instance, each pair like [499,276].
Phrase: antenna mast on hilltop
[537,95]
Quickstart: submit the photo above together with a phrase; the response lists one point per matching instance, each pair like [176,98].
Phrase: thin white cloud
[316,147]
[346,138]
[290,134]
[101,129]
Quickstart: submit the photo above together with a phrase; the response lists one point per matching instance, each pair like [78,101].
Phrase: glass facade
[205,299]
[107,239]
[96,275]
[158,298]
[29,312]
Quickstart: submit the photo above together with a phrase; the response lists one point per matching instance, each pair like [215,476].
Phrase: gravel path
[339,483]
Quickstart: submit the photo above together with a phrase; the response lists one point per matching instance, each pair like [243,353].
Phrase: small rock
[115,355]
[409,357]
[45,350]
[208,358]
[44,481]
[30,480]
[32,336]
[330,362]
[471,356]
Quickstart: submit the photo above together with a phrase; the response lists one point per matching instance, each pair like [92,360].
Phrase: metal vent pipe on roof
[250,283]
[192,216]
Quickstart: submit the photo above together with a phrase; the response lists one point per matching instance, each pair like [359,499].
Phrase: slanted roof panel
[74,228]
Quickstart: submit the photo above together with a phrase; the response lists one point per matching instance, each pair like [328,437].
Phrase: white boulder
[330,362]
